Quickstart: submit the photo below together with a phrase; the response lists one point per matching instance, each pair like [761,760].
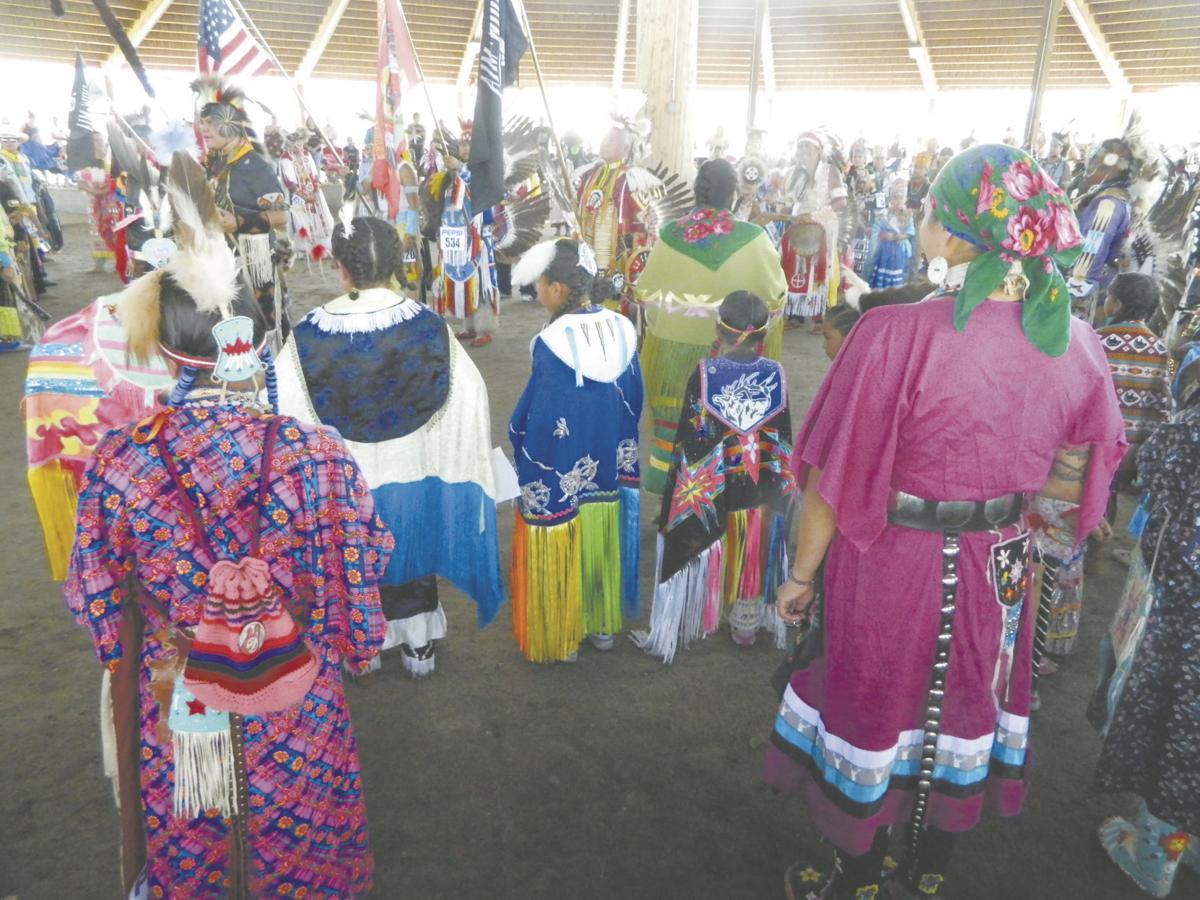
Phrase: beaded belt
[910,511]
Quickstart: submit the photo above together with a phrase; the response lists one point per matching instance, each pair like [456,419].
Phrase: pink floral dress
[136,582]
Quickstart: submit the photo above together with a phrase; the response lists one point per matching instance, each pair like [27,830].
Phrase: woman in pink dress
[934,426]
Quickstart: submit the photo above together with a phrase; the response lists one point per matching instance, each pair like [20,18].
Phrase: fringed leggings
[859,874]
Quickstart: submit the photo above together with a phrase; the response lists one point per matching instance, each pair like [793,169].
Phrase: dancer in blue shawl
[413,410]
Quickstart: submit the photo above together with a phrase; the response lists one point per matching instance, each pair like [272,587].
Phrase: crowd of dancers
[245,505]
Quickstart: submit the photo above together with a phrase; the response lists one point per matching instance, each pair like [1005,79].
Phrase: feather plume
[205,266]
[125,155]
[346,216]
[533,264]
[138,312]
[216,88]
[176,136]
[123,43]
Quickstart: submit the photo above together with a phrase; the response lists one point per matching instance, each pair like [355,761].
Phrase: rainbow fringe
[573,579]
[735,576]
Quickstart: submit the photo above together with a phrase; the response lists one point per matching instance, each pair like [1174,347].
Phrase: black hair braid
[564,268]
[371,255]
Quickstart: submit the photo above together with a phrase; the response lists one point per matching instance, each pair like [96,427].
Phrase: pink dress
[137,580]
[911,404]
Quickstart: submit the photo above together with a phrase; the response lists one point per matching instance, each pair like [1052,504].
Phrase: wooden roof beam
[1098,44]
[141,27]
[329,24]
[918,51]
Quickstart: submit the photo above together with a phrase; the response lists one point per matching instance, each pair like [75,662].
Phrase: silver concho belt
[911,511]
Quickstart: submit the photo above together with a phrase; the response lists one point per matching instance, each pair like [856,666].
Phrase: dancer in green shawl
[697,262]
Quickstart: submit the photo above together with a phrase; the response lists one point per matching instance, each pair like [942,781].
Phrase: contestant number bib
[455,244]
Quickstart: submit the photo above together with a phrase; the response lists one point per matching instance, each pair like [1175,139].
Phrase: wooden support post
[760,14]
[667,32]
[768,60]
[471,50]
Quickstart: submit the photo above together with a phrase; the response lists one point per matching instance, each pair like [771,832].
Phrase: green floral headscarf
[998,199]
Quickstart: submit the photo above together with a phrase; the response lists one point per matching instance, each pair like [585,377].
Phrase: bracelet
[800,581]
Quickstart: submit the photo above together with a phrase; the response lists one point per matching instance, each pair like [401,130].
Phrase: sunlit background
[344,107]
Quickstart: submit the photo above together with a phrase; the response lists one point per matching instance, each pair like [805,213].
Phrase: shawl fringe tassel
[204,773]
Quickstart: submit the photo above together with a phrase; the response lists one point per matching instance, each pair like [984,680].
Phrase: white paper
[507,487]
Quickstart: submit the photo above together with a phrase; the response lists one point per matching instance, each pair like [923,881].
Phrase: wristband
[800,581]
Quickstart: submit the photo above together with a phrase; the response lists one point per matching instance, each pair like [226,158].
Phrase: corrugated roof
[816,43]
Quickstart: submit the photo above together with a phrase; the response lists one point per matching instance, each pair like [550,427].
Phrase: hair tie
[741,333]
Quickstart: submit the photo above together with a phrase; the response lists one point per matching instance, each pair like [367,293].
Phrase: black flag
[500,55]
[81,145]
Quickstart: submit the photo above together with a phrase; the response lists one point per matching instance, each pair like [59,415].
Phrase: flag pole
[568,189]
[424,84]
[124,123]
[258,35]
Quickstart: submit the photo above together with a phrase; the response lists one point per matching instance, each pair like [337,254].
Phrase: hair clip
[587,258]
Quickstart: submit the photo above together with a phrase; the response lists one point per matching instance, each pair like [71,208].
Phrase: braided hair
[585,288]
[371,255]
[716,184]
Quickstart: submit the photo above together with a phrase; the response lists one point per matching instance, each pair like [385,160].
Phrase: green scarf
[998,199]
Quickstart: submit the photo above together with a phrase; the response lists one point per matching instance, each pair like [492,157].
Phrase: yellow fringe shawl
[54,498]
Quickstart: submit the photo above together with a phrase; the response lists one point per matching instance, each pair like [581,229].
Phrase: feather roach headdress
[223,104]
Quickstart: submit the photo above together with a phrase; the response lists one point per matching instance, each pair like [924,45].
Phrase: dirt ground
[613,778]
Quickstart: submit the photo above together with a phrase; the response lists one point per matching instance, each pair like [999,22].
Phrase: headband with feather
[203,266]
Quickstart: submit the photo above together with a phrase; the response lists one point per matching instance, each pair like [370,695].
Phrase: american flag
[224,44]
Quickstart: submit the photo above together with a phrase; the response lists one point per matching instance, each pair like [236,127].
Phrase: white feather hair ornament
[346,217]
[533,264]
[177,136]
[587,258]
[204,266]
